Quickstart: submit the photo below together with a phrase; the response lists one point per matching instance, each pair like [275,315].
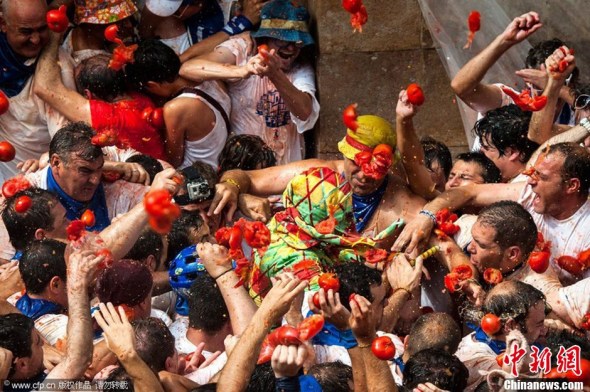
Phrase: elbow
[458,87]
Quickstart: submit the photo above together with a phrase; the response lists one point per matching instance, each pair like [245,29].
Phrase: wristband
[364,345]
[233,182]
[238,24]
[429,214]
[223,273]
[586,124]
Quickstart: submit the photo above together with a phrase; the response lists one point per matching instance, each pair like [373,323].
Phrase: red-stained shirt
[125,117]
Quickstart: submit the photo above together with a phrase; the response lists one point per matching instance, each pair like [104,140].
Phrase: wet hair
[179,235]
[118,380]
[153,62]
[207,309]
[434,330]
[539,53]
[74,138]
[575,165]
[15,335]
[96,77]
[507,127]
[438,367]
[127,282]
[40,262]
[246,152]
[332,376]
[148,244]
[150,164]
[262,379]
[490,172]
[435,151]
[512,299]
[155,342]
[513,224]
[356,278]
[21,227]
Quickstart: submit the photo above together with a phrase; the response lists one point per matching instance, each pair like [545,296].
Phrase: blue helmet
[184,269]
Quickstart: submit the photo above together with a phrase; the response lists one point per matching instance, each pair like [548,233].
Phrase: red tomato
[349,117]
[329,281]
[316,300]
[88,218]
[363,158]
[108,258]
[449,228]
[256,234]
[4,103]
[492,276]
[310,327]
[584,258]
[570,264]
[415,94]
[7,152]
[383,348]
[129,312]
[491,324]
[288,335]
[358,19]
[14,185]
[160,224]
[75,230]
[155,200]
[235,238]
[326,226]
[157,118]
[222,236]
[585,323]
[351,298]
[375,256]
[111,34]
[265,352]
[57,20]
[110,176]
[584,376]
[443,215]
[452,282]
[539,261]
[264,54]
[352,6]
[23,204]
[474,21]
[500,359]
[463,272]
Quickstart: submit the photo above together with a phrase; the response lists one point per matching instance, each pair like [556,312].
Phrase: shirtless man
[376,202]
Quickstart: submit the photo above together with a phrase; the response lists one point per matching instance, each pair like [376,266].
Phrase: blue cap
[286,21]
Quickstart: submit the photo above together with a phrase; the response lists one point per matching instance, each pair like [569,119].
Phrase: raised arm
[220,64]
[80,272]
[468,84]
[542,126]
[50,88]
[242,360]
[240,305]
[411,150]
[575,134]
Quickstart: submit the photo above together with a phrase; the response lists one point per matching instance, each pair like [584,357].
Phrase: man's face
[361,184]
[535,322]
[212,222]
[464,173]
[25,27]
[60,222]
[547,184]
[35,361]
[78,177]
[490,151]
[484,251]
[286,51]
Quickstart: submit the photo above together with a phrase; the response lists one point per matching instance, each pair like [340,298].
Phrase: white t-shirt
[568,236]
[479,359]
[258,109]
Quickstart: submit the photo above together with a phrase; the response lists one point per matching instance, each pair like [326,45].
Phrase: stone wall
[370,68]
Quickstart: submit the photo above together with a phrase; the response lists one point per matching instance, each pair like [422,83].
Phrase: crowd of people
[397,267]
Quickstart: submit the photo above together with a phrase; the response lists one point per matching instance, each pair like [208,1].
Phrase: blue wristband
[429,214]
[238,24]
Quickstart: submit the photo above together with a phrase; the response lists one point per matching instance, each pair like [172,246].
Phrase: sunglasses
[582,101]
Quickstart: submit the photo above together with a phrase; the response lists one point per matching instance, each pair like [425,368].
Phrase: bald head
[25,26]
[434,331]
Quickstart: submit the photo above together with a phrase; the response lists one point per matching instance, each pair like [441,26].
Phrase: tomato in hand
[7,152]
[374,256]
[111,34]
[14,185]
[4,103]
[108,258]
[88,218]
[155,200]
[329,281]
[584,258]
[349,117]
[256,234]
[75,230]
[310,327]
[491,324]
[463,272]
[539,261]
[264,54]
[23,204]
[570,264]
[57,20]
[222,236]
[383,348]
[235,238]
[415,94]
[452,282]
[288,336]
[492,276]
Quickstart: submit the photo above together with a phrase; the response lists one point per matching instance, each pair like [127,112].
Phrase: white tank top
[208,148]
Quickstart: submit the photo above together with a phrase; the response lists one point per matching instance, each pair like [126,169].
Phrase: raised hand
[522,27]
[117,329]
